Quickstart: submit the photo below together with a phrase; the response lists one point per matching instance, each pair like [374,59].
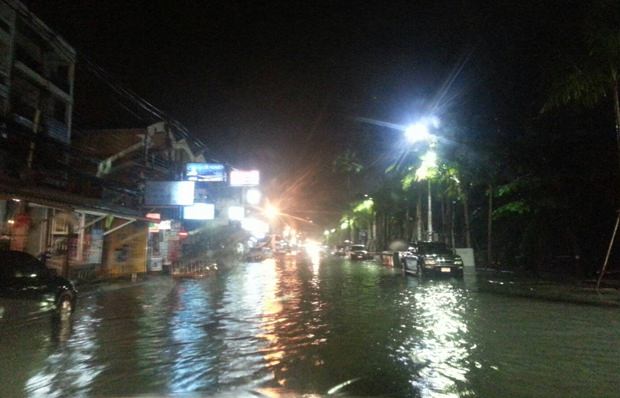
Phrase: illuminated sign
[169,193]
[236,213]
[165,225]
[253,196]
[240,178]
[205,172]
[199,211]
[258,228]
[153,216]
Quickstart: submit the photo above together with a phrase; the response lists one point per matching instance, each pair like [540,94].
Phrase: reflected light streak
[441,347]
[313,250]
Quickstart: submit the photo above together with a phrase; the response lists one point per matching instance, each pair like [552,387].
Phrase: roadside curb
[554,293]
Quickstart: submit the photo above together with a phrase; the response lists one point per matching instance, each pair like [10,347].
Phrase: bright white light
[253,196]
[313,249]
[165,225]
[236,213]
[326,232]
[418,132]
[257,228]
[199,211]
[271,211]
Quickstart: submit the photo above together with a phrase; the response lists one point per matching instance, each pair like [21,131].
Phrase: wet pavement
[310,327]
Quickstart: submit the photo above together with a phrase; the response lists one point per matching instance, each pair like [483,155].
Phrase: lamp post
[418,132]
[429,163]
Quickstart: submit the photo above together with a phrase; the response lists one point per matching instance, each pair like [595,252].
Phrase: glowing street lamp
[271,212]
[418,132]
[421,131]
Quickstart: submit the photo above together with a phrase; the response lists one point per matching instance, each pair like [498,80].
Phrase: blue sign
[205,172]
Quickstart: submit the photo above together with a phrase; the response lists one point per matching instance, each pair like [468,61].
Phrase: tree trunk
[466,219]
[452,217]
[444,222]
[348,187]
[418,217]
[407,225]
[490,228]
[386,228]
[617,114]
[430,211]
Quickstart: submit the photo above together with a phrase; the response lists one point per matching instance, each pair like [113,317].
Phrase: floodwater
[287,328]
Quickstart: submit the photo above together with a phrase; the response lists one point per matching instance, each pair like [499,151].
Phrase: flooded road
[277,327]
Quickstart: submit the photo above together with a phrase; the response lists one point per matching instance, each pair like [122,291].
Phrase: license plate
[445,269]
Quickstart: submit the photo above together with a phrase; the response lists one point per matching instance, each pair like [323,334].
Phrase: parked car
[359,252]
[432,258]
[26,280]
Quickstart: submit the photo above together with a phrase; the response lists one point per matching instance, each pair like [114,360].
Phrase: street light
[417,132]
[420,131]
[271,212]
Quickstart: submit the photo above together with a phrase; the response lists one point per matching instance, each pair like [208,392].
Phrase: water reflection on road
[306,326]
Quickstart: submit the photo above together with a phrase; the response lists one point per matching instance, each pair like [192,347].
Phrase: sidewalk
[579,292]
[110,284]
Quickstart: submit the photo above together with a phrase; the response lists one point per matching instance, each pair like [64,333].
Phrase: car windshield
[183,206]
[433,248]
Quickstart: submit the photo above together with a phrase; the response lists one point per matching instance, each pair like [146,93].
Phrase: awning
[60,200]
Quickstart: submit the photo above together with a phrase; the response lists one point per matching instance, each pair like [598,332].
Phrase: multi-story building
[36,73]
[44,207]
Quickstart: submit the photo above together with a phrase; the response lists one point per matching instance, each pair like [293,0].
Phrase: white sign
[95,249]
[258,228]
[236,213]
[169,193]
[164,225]
[240,178]
[199,211]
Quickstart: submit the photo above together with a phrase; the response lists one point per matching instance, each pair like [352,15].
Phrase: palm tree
[347,163]
[597,74]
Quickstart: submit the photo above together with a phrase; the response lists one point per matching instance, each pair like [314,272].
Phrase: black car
[26,280]
[432,258]
[359,252]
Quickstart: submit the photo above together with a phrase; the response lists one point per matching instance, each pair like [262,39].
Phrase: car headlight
[458,261]
[431,261]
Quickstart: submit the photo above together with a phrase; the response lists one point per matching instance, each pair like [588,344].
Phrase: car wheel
[64,306]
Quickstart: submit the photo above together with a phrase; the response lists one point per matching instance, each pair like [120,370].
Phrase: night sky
[278,85]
